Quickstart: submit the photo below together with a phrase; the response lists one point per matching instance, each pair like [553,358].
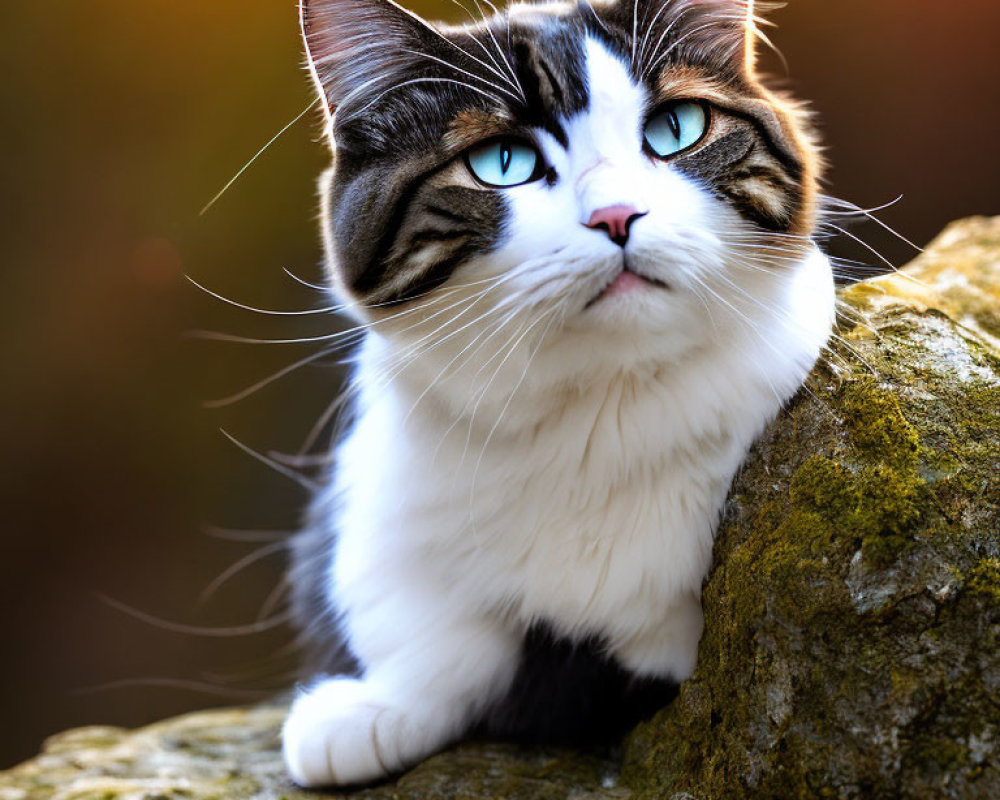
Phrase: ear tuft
[755,20]
[736,32]
[358,46]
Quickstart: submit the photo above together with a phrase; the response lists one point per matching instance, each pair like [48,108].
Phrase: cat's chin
[637,318]
[627,283]
[630,301]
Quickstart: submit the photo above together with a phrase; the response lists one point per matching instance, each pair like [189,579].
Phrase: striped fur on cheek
[739,167]
[754,159]
[445,226]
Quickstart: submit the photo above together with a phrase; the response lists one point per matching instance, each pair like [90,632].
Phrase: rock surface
[853,611]
[218,755]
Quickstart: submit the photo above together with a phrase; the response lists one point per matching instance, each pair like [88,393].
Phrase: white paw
[671,649]
[339,734]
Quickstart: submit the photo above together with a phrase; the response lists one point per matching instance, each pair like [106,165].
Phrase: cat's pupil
[505,157]
[675,124]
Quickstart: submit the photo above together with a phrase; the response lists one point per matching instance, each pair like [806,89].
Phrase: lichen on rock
[852,645]
[852,614]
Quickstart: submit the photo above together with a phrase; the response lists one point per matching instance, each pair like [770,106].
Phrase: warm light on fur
[751,38]
[548,416]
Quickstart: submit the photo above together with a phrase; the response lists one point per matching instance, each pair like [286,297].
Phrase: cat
[580,239]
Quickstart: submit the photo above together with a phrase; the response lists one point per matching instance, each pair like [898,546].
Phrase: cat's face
[581,167]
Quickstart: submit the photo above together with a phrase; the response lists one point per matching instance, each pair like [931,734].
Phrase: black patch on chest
[573,693]
[322,647]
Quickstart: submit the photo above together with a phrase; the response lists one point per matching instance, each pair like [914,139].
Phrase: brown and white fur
[548,414]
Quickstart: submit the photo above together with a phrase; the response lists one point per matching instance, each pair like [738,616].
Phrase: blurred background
[121,120]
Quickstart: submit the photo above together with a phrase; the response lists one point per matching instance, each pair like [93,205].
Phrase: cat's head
[598,165]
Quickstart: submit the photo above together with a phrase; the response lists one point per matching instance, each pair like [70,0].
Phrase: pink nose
[615,221]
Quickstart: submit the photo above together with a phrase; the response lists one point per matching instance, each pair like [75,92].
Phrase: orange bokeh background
[120,120]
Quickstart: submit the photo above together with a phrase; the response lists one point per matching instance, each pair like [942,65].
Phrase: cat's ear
[728,31]
[357,45]
[754,14]
[746,20]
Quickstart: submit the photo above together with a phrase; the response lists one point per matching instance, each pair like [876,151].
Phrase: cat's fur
[535,467]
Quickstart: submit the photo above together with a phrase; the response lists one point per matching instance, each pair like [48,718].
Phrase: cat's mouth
[627,281]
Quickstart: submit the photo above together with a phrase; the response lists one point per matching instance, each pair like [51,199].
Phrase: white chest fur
[591,504]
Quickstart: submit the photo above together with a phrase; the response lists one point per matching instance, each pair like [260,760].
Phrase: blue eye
[504,162]
[676,128]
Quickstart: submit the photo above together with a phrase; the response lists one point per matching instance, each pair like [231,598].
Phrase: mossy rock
[852,645]
[853,610]
[234,754]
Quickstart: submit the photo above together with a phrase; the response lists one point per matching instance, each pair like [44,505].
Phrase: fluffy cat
[579,237]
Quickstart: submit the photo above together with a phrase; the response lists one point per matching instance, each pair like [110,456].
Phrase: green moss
[984,579]
[876,424]
[879,552]
[945,754]
[989,321]
[889,507]
[888,485]
[99,794]
[825,487]
[939,462]
[888,500]
[802,536]
[877,505]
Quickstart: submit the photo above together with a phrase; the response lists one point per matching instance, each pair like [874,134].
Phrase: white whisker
[414,81]
[465,72]
[500,51]
[485,50]
[256,156]
[307,284]
[267,311]
[234,569]
[281,469]
[276,376]
[245,536]
[869,213]
[649,29]
[222,632]
[553,313]
[673,47]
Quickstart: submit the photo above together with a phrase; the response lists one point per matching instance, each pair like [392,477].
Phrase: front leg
[668,648]
[429,671]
